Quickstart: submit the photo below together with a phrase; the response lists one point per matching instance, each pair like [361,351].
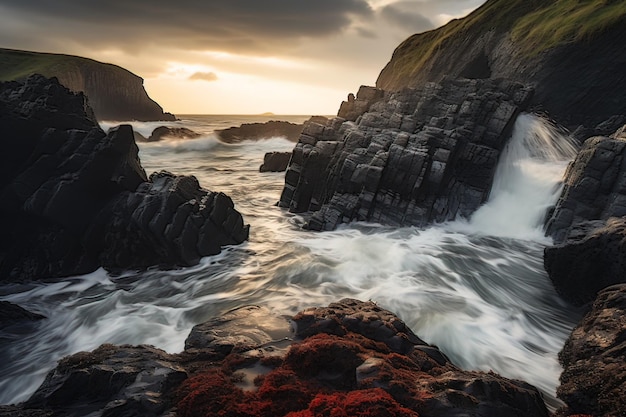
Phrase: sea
[476,287]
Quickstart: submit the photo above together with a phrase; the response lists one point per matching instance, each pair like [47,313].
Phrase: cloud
[189,24]
[406,15]
[203,76]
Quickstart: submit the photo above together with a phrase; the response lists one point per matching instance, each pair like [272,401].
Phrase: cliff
[113,92]
[569,51]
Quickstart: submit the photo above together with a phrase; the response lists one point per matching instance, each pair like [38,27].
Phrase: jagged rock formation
[593,381]
[588,223]
[114,93]
[255,131]
[353,358]
[275,162]
[410,158]
[163,132]
[569,52]
[73,198]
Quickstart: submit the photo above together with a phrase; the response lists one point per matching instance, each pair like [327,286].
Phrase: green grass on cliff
[17,65]
[535,26]
[567,21]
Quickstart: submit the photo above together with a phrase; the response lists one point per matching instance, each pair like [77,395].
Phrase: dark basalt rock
[351,357]
[110,381]
[588,222]
[163,132]
[411,158]
[73,198]
[13,314]
[275,162]
[255,131]
[593,381]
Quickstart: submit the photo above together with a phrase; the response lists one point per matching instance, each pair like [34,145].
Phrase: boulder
[163,132]
[351,358]
[275,162]
[256,131]
[110,381]
[73,198]
[588,222]
[410,158]
[593,381]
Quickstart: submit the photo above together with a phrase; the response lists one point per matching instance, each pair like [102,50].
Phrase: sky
[232,56]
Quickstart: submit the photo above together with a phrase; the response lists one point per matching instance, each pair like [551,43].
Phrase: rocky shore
[351,358]
[74,198]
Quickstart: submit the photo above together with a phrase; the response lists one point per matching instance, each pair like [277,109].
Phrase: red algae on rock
[364,403]
[354,359]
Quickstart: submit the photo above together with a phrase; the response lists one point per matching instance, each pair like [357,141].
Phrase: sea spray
[485,300]
[526,182]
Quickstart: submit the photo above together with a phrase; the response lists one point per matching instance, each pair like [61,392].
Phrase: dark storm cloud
[236,24]
[407,15]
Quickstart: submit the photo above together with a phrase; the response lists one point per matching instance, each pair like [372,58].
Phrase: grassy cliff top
[17,65]
[534,25]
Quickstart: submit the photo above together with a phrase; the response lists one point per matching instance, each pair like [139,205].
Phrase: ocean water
[474,287]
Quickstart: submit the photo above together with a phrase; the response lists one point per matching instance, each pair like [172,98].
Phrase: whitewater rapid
[474,287]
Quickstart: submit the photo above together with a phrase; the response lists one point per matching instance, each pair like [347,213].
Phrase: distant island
[114,93]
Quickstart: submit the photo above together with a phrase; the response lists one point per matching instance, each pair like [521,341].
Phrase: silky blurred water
[478,292]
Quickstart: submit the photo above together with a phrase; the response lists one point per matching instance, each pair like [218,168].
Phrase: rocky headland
[73,198]
[565,51]
[114,93]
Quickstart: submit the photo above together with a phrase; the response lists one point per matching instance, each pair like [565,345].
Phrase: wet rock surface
[166,132]
[588,224]
[593,381]
[73,198]
[275,162]
[409,158]
[255,131]
[350,358]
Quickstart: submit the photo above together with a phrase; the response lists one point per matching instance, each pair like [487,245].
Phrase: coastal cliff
[114,93]
[566,51]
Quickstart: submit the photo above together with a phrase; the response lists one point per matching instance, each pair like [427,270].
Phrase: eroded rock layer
[405,158]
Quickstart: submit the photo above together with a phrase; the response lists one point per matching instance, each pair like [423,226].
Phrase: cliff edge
[114,93]
[568,51]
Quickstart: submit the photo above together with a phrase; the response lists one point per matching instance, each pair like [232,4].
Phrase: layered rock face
[405,158]
[73,198]
[114,93]
[351,358]
[530,42]
[588,224]
[593,381]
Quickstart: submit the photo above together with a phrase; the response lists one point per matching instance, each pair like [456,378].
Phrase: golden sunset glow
[234,58]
